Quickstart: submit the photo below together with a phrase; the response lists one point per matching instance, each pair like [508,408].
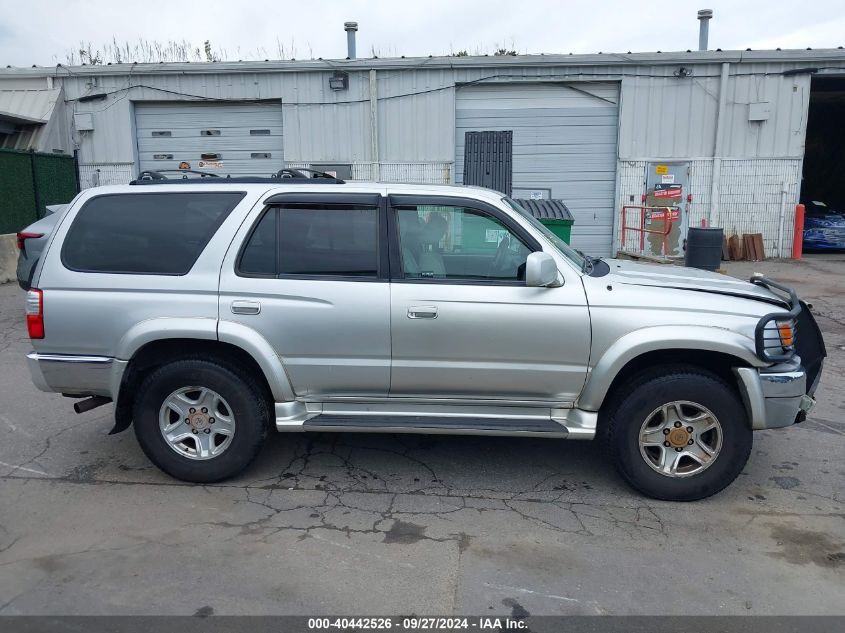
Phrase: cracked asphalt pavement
[371,524]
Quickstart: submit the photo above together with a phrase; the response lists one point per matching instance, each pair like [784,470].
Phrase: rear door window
[145,233]
[314,240]
[329,241]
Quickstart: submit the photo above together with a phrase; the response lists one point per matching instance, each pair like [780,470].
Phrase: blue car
[824,228]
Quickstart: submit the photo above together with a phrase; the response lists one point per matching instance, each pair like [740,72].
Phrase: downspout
[713,209]
[376,173]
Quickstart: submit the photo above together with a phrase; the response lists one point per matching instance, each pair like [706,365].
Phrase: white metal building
[588,129]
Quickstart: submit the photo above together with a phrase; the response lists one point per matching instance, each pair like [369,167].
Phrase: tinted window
[152,233]
[259,254]
[458,243]
[328,240]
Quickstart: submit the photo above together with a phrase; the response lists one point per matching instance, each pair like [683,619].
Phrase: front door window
[458,243]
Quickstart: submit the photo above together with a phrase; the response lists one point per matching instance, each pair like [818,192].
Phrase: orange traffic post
[798,235]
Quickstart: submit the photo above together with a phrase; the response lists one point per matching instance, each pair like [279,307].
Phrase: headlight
[779,336]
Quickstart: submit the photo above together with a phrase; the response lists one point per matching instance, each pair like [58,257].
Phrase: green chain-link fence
[29,182]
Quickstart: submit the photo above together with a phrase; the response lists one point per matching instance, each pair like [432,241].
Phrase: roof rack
[303,172]
[288,175]
[149,174]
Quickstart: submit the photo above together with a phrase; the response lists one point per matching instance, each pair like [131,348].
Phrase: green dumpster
[552,213]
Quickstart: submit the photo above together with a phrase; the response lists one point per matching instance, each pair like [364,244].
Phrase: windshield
[565,249]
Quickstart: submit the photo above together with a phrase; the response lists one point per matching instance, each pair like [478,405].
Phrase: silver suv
[210,311]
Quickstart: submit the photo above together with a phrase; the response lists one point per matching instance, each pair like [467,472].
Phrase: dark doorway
[824,155]
[488,160]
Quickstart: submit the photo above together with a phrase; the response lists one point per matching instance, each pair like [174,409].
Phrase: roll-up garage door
[240,139]
[564,146]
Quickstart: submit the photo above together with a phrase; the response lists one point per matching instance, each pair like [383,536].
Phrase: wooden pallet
[735,250]
[754,250]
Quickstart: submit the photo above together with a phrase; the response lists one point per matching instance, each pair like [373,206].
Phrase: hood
[670,276]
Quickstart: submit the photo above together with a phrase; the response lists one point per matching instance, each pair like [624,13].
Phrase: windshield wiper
[587,261]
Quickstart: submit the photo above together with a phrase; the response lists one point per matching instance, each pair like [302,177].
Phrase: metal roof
[16,119]
[28,106]
[803,56]
[25,117]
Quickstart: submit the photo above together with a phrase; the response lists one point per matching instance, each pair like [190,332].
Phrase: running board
[426,424]
[435,419]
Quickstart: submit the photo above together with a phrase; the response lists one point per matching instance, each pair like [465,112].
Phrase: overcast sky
[43,32]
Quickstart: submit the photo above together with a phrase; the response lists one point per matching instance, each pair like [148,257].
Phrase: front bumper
[76,375]
[775,396]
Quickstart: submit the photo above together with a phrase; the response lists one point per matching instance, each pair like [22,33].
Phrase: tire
[243,414]
[639,428]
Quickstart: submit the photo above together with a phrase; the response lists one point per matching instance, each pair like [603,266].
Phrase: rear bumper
[775,396]
[76,375]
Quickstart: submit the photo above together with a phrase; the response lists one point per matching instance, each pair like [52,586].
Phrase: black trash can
[704,248]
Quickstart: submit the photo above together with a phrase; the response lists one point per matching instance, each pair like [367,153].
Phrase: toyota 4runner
[212,310]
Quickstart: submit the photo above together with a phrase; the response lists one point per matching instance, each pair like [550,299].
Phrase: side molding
[657,338]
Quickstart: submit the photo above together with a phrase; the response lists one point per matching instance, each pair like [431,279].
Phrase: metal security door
[667,186]
[488,160]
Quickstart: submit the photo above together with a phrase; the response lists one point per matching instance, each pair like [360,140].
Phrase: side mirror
[541,271]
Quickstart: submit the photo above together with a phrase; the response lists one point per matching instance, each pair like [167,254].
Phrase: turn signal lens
[787,337]
[35,313]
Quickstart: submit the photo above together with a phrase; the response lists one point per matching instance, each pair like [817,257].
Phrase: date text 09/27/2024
[417,623]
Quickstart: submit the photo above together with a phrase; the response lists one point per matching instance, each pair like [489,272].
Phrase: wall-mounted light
[339,81]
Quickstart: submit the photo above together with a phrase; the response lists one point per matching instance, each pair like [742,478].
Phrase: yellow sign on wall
[661,170]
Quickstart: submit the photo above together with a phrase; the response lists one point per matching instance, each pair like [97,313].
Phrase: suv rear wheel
[678,433]
[199,421]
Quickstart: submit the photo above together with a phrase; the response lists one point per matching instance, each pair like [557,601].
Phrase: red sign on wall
[667,191]
[674,214]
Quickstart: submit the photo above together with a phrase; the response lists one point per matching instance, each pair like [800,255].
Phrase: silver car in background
[210,311]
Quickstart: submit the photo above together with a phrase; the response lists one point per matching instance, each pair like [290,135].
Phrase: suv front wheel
[199,421]
[678,433]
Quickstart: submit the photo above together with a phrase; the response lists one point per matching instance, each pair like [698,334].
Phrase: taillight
[23,236]
[35,313]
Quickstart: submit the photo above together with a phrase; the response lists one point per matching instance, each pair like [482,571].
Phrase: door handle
[422,312]
[246,307]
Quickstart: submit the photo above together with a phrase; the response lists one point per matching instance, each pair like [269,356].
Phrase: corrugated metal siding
[664,117]
[661,116]
[564,140]
[326,125]
[416,127]
[169,133]
[416,107]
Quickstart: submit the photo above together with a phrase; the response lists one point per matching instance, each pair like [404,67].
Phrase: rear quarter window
[145,233]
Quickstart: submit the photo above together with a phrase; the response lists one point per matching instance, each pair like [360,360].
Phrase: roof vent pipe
[350,28]
[704,16]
